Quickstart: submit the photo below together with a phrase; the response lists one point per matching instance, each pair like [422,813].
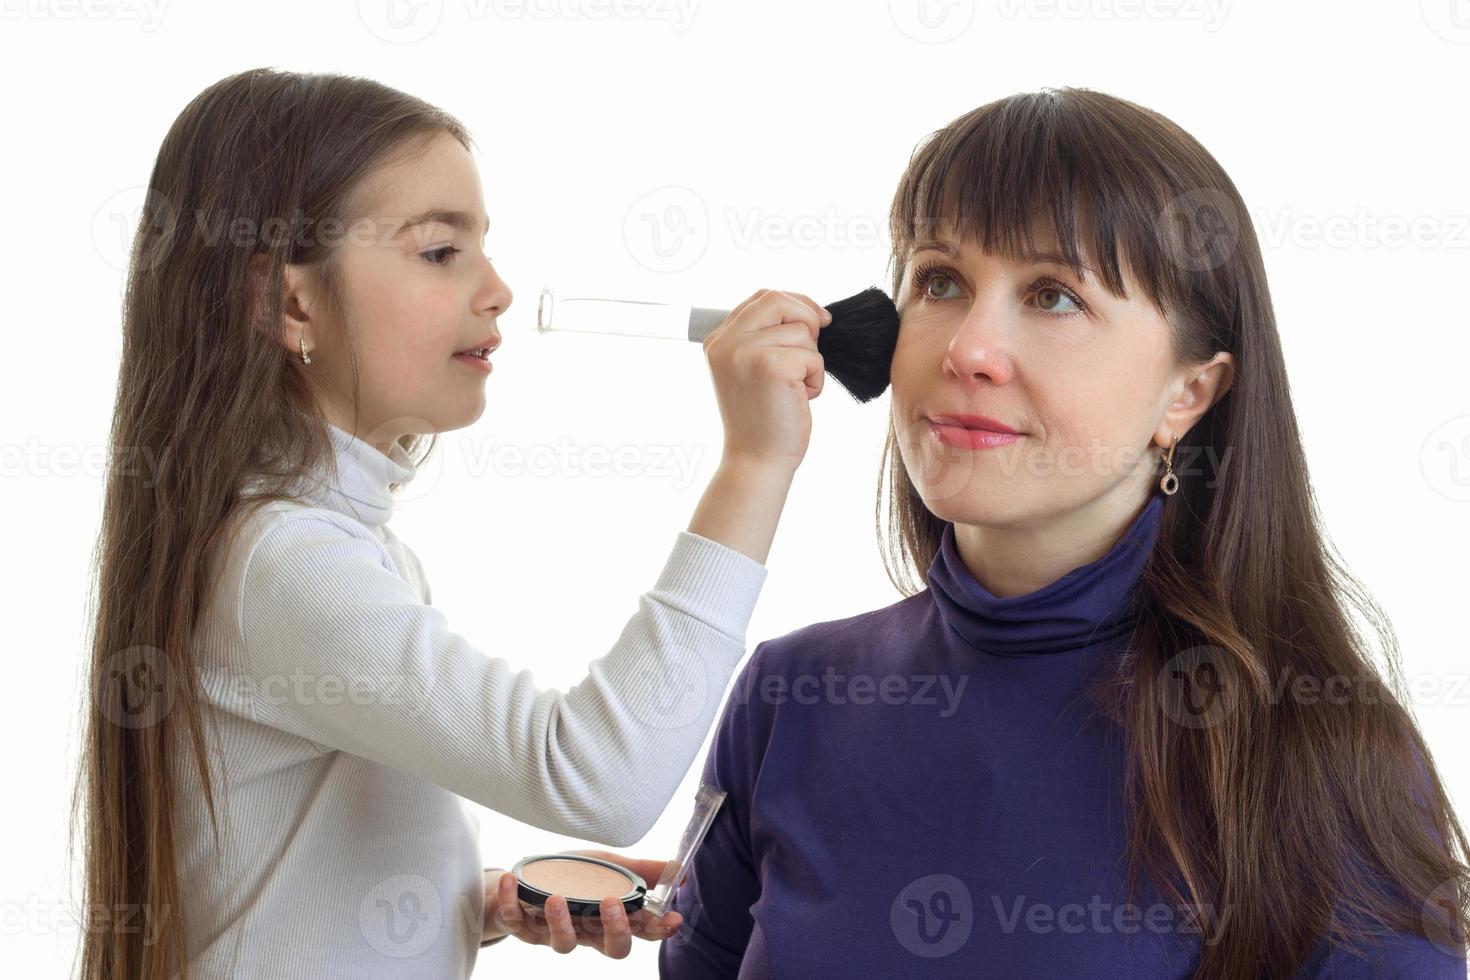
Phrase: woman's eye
[440,256]
[1049,299]
[942,281]
[1052,298]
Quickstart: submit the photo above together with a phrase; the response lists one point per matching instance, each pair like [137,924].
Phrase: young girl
[281,727]
[1128,730]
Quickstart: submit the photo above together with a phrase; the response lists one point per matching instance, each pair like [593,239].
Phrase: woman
[1085,749]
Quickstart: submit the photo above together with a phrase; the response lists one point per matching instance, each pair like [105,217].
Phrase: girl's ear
[293,323]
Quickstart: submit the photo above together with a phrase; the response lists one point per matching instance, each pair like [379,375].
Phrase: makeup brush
[856,347]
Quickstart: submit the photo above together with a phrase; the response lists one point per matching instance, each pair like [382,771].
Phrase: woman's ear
[1200,386]
[293,322]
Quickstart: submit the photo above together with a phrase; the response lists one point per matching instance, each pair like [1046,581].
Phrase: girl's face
[418,290]
[1088,381]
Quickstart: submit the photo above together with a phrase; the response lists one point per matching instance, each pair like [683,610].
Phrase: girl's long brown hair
[1283,820]
[267,164]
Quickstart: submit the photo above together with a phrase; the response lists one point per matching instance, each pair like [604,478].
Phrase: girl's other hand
[611,932]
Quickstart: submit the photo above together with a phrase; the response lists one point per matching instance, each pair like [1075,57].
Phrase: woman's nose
[980,347]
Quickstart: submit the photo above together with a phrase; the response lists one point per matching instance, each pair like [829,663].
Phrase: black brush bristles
[857,346]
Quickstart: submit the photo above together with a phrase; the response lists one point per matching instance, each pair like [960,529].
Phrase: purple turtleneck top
[924,790]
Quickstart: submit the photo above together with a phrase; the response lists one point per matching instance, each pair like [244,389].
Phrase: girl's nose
[497,297]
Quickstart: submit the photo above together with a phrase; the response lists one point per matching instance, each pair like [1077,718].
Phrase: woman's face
[417,292]
[1087,380]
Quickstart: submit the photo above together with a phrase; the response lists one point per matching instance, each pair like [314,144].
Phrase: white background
[1338,122]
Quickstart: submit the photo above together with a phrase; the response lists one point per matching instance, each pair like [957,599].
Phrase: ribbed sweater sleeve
[341,650]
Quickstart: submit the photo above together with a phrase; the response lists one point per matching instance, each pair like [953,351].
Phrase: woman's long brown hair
[262,163]
[1282,820]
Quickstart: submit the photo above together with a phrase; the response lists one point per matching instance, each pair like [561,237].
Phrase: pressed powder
[579,879]
[584,881]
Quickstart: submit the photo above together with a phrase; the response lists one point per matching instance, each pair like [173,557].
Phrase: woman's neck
[1013,560]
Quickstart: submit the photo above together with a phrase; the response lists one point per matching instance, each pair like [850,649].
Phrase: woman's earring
[1169,482]
[305,358]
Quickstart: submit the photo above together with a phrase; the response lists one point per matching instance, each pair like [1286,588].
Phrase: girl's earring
[305,358]
[1169,483]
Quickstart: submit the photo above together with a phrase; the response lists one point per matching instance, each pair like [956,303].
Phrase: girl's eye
[446,255]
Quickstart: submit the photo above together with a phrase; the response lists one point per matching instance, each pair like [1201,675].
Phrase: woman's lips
[966,438]
[975,422]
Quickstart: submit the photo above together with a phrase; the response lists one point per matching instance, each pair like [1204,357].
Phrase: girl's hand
[611,932]
[766,368]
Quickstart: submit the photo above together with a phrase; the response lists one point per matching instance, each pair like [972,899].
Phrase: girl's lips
[963,438]
[480,363]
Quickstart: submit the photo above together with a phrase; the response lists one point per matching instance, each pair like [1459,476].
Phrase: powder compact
[584,881]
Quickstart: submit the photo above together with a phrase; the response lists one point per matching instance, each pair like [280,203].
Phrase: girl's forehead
[406,181]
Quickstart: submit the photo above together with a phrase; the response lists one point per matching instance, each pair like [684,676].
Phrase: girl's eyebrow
[446,216]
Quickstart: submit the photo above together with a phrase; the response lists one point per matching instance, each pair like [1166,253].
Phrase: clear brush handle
[625,317]
[706,804]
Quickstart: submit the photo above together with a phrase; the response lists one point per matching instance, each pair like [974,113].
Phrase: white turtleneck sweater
[347,719]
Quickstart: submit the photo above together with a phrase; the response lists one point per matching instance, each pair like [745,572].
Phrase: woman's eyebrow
[1054,258]
[1050,258]
[936,246]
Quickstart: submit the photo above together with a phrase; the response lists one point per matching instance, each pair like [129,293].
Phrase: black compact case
[632,900]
